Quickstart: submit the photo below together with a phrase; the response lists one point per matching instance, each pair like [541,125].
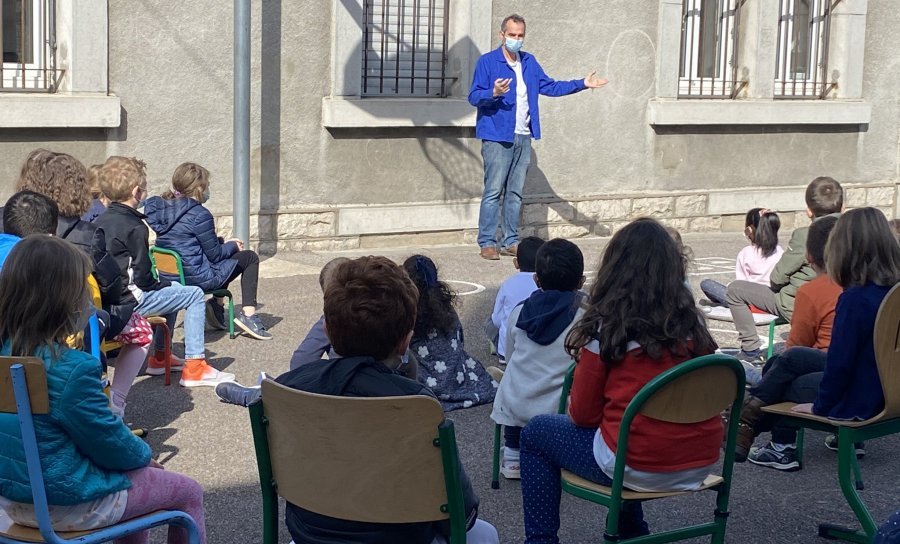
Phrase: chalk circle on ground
[475,287]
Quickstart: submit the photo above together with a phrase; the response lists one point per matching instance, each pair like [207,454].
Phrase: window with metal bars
[801,69]
[405,48]
[709,30]
[27,34]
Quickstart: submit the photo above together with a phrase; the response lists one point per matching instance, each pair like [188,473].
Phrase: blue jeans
[166,302]
[550,443]
[505,166]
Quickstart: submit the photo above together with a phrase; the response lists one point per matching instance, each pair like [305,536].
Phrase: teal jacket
[85,450]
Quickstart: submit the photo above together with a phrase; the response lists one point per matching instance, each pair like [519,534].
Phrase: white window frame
[815,84]
[12,71]
[691,83]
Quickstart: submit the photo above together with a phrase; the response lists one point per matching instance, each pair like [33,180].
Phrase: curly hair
[436,299]
[639,295]
[58,176]
[120,175]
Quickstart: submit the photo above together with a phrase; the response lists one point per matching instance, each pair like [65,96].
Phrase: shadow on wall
[270,126]
[541,192]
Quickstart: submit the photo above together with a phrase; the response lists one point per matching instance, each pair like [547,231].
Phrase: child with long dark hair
[640,321]
[755,262]
[457,379]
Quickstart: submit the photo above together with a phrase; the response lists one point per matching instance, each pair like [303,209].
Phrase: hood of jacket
[163,214]
[546,314]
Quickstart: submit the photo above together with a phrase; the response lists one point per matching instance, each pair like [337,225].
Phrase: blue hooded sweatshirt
[546,314]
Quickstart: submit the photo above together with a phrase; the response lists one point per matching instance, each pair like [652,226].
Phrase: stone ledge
[758,112]
[44,110]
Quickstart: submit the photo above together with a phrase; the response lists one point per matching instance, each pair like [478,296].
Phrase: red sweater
[600,394]
[814,313]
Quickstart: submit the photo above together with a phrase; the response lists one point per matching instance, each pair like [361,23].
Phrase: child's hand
[805,408]
[237,241]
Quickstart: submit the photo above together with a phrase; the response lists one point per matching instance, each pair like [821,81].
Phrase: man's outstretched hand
[594,82]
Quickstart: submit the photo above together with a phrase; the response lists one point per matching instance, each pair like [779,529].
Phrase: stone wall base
[365,227]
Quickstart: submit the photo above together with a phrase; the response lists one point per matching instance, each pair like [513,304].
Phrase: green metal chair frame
[887,354]
[615,498]
[774,323]
[218,293]
[444,438]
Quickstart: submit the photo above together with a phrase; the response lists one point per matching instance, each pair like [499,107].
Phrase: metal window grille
[405,48]
[709,30]
[801,69]
[28,37]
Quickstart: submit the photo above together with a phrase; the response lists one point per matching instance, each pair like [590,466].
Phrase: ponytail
[765,236]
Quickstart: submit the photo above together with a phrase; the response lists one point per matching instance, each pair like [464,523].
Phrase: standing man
[505,90]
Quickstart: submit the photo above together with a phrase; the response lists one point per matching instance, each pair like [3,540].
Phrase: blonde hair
[190,180]
[58,176]
[93,180]
[44,295]
[120,175]
[862,249]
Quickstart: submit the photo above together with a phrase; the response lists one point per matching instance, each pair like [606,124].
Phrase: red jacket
[600,394]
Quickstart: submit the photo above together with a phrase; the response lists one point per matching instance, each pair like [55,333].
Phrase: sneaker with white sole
[831,442]
[203,375]
[511,470]
[157,367]
[777,456]
[252,326]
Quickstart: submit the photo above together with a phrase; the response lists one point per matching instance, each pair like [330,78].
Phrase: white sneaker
[205,376]
[510,470]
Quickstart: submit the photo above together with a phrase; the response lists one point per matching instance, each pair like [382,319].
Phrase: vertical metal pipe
[52,44]
[24,35]
[415,44]
[241,185]
[1,45]
[430,46]
[367,17]
[381,61]
[445,48]
[400,16]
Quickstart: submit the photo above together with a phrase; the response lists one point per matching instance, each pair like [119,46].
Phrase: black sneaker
[831,442]
[756,357]
[235,393]
[778,457]
[252,326]
[215,315]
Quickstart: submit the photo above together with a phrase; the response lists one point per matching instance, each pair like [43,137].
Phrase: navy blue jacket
[185,226]
[496,120]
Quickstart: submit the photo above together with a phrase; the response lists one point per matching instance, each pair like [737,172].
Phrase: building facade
[362,135]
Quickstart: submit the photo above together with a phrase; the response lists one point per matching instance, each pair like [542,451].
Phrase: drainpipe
[241,151]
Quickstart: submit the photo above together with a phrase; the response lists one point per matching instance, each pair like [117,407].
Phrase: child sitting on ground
[537,362]
[824,196]
[755,262]
[184,225]
[97,472]
[124,182]
[457,379]
[513,291]
[862,257]
[640,321]
[316,342]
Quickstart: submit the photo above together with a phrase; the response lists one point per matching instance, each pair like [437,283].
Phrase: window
[404,48]
[708,45]
[28,38]
[803,36]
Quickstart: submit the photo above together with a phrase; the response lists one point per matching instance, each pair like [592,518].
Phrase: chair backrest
[361,459]
[887,351]
[36,379]
[167,262]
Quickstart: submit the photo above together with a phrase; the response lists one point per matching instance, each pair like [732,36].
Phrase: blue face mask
[514,45]
[205,196]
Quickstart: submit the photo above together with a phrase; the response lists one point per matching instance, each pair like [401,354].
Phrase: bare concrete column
[846,51]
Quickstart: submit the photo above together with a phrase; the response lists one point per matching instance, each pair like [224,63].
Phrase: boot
[751,413]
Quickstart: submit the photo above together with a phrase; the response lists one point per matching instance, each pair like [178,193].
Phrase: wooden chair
[23,391]
[887,356]
[380,460]
[691,392]
[169,262]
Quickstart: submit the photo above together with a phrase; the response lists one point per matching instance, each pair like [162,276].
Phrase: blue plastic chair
[29,389]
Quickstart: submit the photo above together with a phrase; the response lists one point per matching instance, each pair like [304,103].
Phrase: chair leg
[231,317]
[771,340]
[800,440]
[495,472]
[846,466]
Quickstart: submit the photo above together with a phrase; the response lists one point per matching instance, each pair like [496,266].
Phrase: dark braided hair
[436,299]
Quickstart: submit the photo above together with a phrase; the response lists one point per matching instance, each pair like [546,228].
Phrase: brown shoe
[751,413]
[490,253]
[510,251]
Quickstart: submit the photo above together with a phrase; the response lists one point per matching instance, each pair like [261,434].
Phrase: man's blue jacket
[497,116]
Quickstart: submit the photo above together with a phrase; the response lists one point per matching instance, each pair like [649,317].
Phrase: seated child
[124,182]
[640,321]
[755,262]
[184,225]
[370,308]
[99,202]
[824,196]
[862,257]
[537,362]
[97,472]
[457,379]
[513,290]
[24,214]
[316,342]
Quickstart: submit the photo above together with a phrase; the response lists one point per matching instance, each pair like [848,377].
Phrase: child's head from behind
[27,213]
[559,266]
[526,252]
[435,297]
[761,227]
[824,196]
[44,296]
[816,241]
[124,179]
[59,176]
[639,295]
[189,180]
[327,272]
[862,249]
[370,308]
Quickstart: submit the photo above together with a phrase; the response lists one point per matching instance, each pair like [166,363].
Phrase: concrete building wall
[599,163]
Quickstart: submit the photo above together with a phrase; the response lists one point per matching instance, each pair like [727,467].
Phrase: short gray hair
[515,17]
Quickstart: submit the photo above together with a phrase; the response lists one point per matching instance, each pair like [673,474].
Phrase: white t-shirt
[523,117]
[513,290]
